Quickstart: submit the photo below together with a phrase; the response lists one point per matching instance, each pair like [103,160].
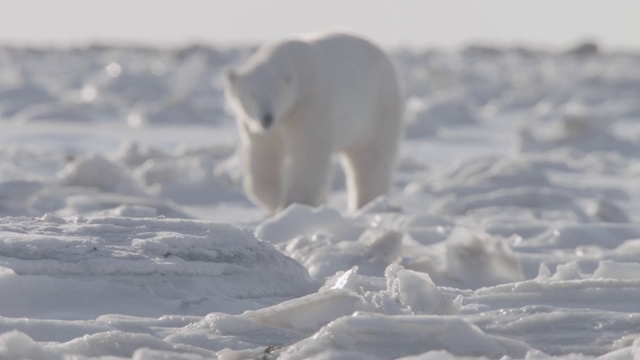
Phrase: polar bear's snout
[266,120]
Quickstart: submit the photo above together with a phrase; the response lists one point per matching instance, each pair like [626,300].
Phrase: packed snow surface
[512,229]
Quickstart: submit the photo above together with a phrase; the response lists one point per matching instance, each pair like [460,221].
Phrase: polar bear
[300,101]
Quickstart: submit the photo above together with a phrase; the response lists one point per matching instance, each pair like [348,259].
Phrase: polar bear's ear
[231,75]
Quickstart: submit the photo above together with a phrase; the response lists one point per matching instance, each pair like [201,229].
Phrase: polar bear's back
[340,42]
[344,52]
[357,78]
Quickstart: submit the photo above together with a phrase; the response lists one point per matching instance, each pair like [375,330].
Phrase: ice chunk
[97,172]
[309,313]
[416,291]
[299,220]
[615,270]
[480,260]
[395,336]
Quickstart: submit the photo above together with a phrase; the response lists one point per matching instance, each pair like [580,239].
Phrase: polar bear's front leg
[262,159]
[306,175]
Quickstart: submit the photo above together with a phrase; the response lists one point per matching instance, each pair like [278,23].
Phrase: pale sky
[557,23]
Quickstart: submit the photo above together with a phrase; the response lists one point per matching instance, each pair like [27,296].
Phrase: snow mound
[530,198]
[302,220]
[96,171]
[480,260]
[468,259]
[187,176]
[615,270]
[113,344]
[137,266]
[579,128]
[326,242]
[426,117]
[14,99]
[491,171]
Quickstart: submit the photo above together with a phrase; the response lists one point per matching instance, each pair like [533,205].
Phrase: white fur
[328,93]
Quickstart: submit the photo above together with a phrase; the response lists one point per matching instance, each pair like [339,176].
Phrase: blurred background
[116,107]
[614,23]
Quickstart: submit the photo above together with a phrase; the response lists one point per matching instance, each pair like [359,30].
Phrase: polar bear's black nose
[267,119]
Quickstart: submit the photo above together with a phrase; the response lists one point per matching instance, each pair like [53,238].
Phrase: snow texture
[512,229]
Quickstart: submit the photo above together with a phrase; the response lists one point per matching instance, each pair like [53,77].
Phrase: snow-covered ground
[512,228]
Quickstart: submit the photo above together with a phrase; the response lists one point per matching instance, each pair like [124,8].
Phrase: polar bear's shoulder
[342,42]
[329,41]
[334,34]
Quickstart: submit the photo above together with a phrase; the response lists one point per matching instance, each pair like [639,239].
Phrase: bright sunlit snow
[511,229]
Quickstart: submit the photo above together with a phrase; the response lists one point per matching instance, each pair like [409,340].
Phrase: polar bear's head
[260,92]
